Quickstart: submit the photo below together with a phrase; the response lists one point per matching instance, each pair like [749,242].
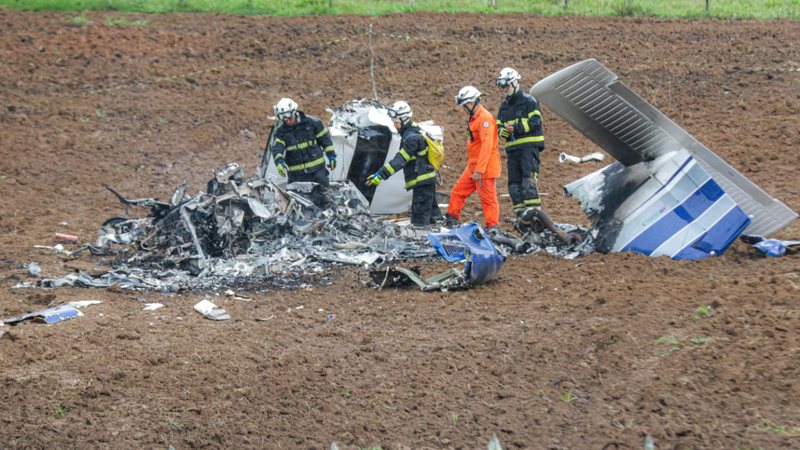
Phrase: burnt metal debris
[253,234]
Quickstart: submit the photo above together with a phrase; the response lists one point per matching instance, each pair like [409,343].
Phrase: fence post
[707,6]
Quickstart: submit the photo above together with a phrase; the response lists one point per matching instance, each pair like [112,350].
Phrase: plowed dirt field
[593,353]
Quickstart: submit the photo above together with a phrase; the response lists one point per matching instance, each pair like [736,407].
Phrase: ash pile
[244,233]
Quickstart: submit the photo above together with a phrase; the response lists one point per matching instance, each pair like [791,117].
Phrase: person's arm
[531,118]
[278,151]
[324,139]
[487,130]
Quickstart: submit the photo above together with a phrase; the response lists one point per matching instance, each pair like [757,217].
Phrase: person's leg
[421,199]
[322,197]
[515,181]
[529,164]
[488,195]
[463,188]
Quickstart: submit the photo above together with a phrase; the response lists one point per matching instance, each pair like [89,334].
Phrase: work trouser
[424,208]
[523,178]
[487,193]
[321,194]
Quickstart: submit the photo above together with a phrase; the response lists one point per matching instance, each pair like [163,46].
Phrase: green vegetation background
[727,9]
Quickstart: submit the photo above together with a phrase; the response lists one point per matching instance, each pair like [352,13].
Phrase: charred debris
[253,234]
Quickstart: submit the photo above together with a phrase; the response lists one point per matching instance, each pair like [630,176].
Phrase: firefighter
[483,161]
[519,124]
[419,174]
[298,147]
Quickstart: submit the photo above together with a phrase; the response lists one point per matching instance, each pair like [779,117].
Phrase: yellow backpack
[435,150]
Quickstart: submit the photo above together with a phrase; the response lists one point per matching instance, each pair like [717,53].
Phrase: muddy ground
[594,353]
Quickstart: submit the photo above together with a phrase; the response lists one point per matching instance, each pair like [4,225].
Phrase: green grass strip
[724,9]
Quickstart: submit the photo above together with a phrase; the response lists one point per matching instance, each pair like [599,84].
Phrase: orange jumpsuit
[483,157]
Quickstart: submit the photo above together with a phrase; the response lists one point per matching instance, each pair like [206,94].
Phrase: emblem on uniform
[485,124]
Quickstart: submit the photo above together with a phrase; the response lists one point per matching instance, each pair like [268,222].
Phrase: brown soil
[145,108]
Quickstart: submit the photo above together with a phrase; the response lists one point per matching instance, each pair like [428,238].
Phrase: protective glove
[503,133]
[374,179]
[282,167]
[331,161]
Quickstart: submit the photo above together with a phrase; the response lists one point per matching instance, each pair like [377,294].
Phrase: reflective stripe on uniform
[329,149]
[518,207]
[389,168]
[280,140]
[322,133]
[535,112]
[308,165]
[524,140]
[301,145]
[405,154]
[277,156]
[533,202]
[423,177]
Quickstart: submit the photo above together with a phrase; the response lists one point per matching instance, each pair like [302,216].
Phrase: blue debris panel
[666,207]
[470,244]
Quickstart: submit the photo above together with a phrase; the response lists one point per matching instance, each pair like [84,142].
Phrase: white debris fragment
[152,306]
[211,311]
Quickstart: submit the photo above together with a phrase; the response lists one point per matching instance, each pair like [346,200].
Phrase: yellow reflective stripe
[308,165]
[524,140]
[329,149]
[322,133]
[280,141]
[423,177]
[518,206]
[405,154]
[535,112]
[422,153]
[278,156]
[525,125]
[533,202]
[301,145]
[389,168]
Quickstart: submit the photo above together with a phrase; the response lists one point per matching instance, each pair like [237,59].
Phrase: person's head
[286,111]
[508,81]
[400,113]
[468,97]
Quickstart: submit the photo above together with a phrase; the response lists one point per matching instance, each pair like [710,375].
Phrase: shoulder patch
[485,124]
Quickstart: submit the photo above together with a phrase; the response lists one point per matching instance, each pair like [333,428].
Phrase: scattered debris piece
[771,247]
[232,294]
[65,238]
[494,443]
[33,269]
[152,306]
[84,303]
[596,156]
[264,319]
[211,311]
[47,315]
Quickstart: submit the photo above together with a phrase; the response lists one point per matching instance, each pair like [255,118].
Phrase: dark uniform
[302,146]
[419,174]
[522,148]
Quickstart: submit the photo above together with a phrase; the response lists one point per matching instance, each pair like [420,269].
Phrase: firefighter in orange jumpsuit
[483,162]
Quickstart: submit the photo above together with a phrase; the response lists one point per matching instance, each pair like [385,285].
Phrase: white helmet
[508,76]
[400,111]
[468,94]
[285,108]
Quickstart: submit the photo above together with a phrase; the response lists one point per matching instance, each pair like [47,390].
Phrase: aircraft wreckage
[667,194]
[260,233]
